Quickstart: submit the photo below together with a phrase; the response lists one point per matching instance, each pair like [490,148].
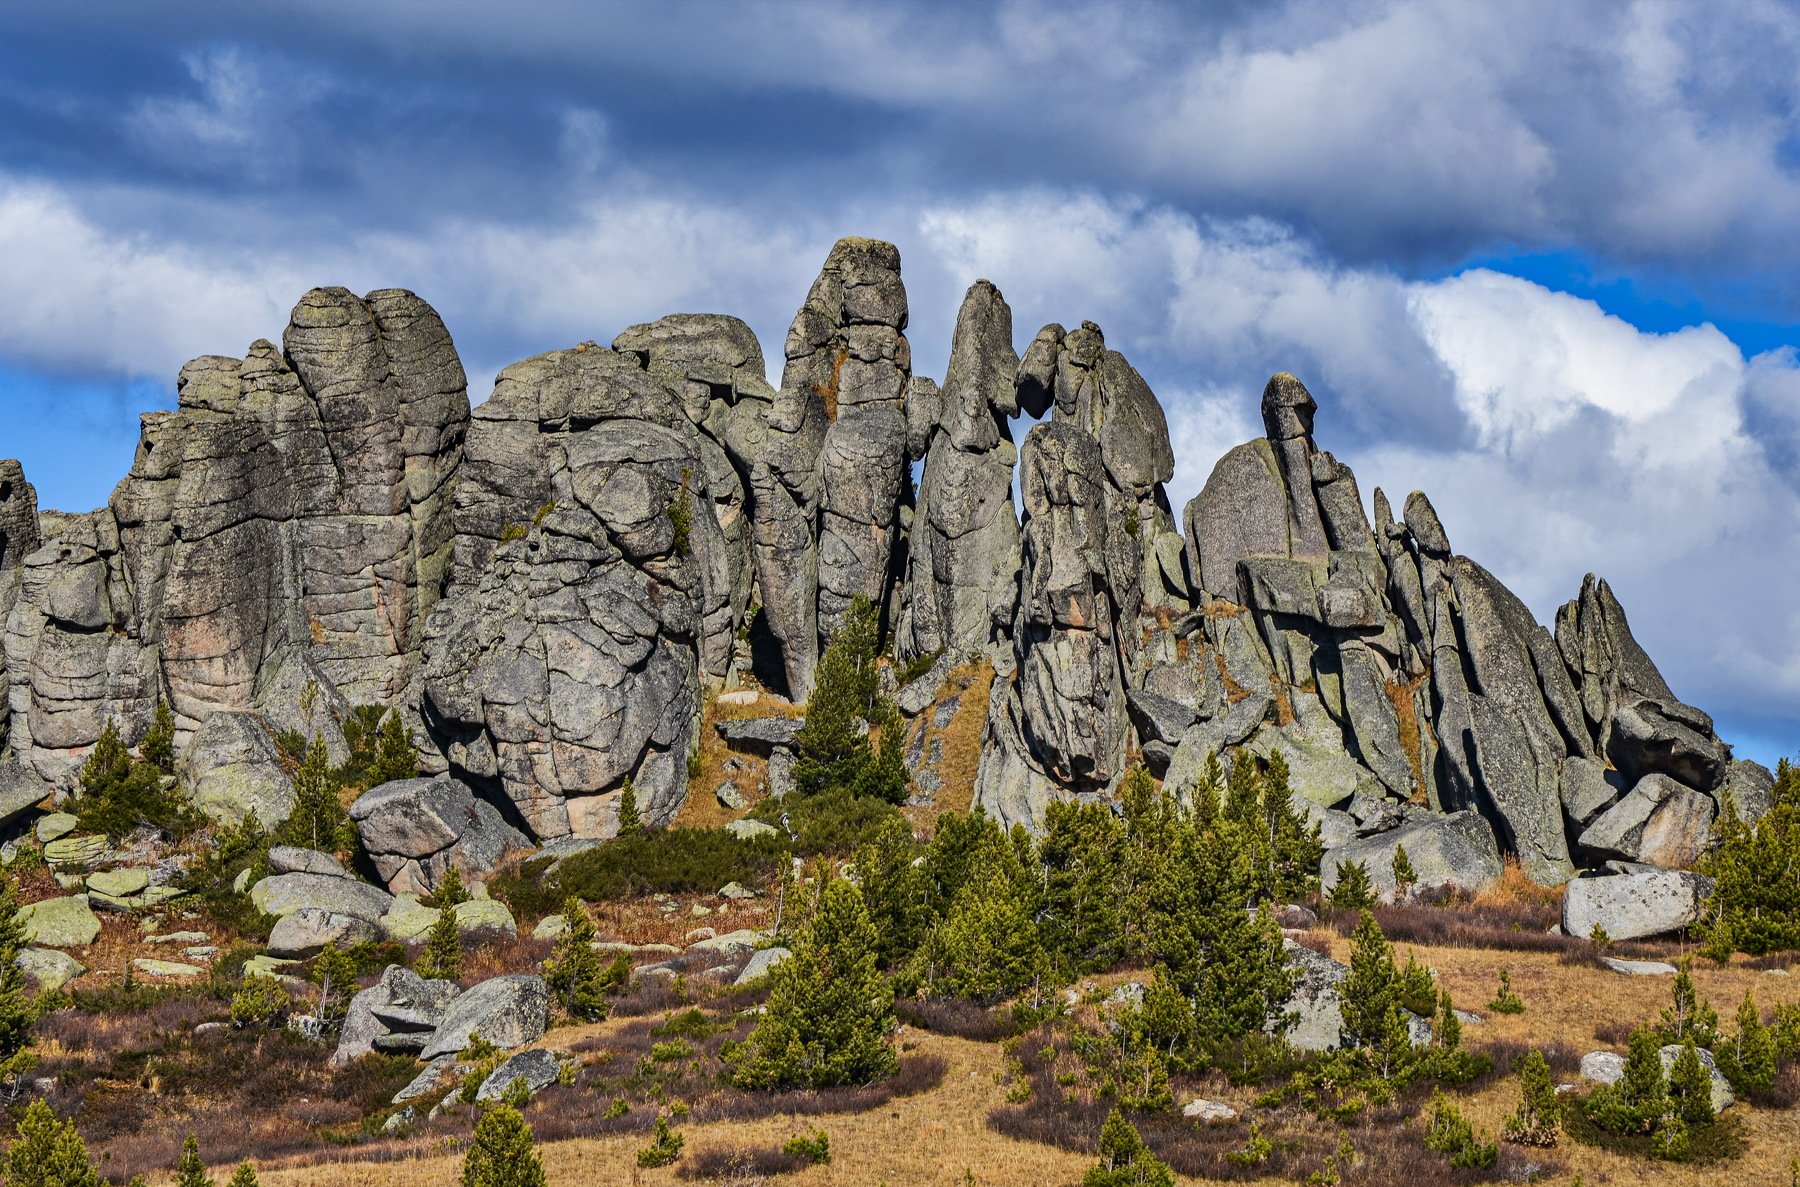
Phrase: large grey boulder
[21,790]
[66,922]
[1608,1067]
[401,1002]
[1316,1003]
[1632,906]
[290,859]
[1457,850]
[233,770]
[48,969]
[1659,822]
[537,1069]
[308,931]
[414,830]
[283,894]
[508,1012]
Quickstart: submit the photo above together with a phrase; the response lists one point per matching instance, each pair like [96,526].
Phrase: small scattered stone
[48,968]
[549,927]
[201,952]
[741,696]
[732,942]
[700,933]
[212,1028]
[700,910]
[119,883]
[179,937]
[729,796]
[737,891]
[746,830]
[1639,968]
[165,968]
[400,1120]
[1201,1109]
[55,826]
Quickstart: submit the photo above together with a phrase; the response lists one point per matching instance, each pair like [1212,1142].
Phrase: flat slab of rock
[745,830]
[287,859]
[1201,1109]
[76,852]
[1639,968]
[283,894]
[166,968]
[538,1069]
[1631,906]
[437,1074]
[732,942]
[119,883]
[761,733]
[55,826]
[508,1012]
[60,923]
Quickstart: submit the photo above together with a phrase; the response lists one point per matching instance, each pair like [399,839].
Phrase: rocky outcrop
[415,830]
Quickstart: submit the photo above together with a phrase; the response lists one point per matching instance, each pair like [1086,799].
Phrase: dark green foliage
[1374,1017]
[630,822]
[1418,989]
[663,861]
[986,946]
[814,1147]
[189,1170]
[120,793]
[1690,1087]
[319,820]
[16,1013]
[47,1153]
[501,1153]
[834,749]
[829,1010]
[232,850]
[1084,858]
[258,1001]
[1506,999]
[1125,1161]
[577,977]
[1353,890]
[1755,904]
[1538,1118]
[1688,1016]
[665,1145]
[450,891]
[1748,1058]
[334,972]
[158,746]
[895,891]
[443,953]
[837,820]
[1637,1102]
[1447,1131]
[243,1176]
[1405,877]
[395,757]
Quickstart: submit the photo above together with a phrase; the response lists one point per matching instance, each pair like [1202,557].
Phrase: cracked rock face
[568,657]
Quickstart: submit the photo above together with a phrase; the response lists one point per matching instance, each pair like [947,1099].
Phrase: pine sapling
[1507,1000]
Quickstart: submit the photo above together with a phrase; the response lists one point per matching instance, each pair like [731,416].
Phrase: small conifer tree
[1353,890]
[395,757]
[665,1144]
[502,1153]
[189,1170]
[1125,1161]
[451,890]
[829,1010]
[47,1153]
[630,822]
[243,1176]
[574,971]
[16,1014]
[1507,999]
[1690,1086]
[1538,1118]
[1748,1058]
[987,947]
[895,890]
[334,972]
[318,820]
[441,959]
[1640,1097]
[158,746]
[1405,877]
[1447,1131]
[1755,904]
[1688,1016]
[1373,1015]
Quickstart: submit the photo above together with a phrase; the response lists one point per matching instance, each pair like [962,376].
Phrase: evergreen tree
[1690,1086]
[1688,1016]
[1507,1000]
[47,1153]
[1353,890]
[395,757]
[1539,1115]
[1374,1018]
[334,972]
[442,958]
[959,849]
[1083,857]
[895,891]
[15,1004]
[630,822]
[1295,845]
[574,971]
[451,890]
[1447,1131]
[1748,1058]
[1405,877]
[243,1176]
[189,1170]
[1640,1097]
[120,793]
[829,1010]
[1755,904]
[833,751]
[318,820]
[665,1145]
[158,746]
[1125,1161]
[501,1153]
[987,947]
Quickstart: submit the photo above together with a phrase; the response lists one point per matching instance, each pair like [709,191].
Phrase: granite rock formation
[547,588]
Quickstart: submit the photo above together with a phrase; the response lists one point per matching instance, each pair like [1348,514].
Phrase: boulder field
[548,586]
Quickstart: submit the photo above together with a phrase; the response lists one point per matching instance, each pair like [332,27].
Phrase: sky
[1538,260]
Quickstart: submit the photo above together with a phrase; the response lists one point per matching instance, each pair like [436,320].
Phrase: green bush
[1755,904]
[665,1145]
[815,1147]
[120,793]
[47,1153]
[502,1153]
[835,821]
[1353,890]
[664,861]
[1125,1161]
[259,1001]
[1539,1115]
[1507,1000]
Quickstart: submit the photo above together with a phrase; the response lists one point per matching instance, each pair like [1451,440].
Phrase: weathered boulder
[1659,822]
[762,964]
[289,859]
[48,969]
[1457,850]
[1317,1007]
[233,770]
[284,894]
[1631,906]
[21,789]
[508,1012]
[402,1001]
[1608,1067]
[306,932]
[761,734]
[66,922]
[414,830]
[537,1069]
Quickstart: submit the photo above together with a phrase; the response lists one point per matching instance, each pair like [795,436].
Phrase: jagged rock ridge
[548,585]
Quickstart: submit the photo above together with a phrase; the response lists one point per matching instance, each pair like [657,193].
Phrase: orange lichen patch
[316,629]
[1284,703]
[1234,692]
[828,391]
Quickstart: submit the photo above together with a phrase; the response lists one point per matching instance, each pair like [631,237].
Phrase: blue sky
[1536,259]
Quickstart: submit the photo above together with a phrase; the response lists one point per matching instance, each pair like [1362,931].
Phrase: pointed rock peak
[1287,408]
[979,382]
[18,516]
[860,284]
[1085,345]
[1422,521]
[1384,518]
[1036,381]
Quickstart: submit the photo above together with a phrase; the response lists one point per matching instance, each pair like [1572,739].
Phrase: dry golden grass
[962,739]
[702,809]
